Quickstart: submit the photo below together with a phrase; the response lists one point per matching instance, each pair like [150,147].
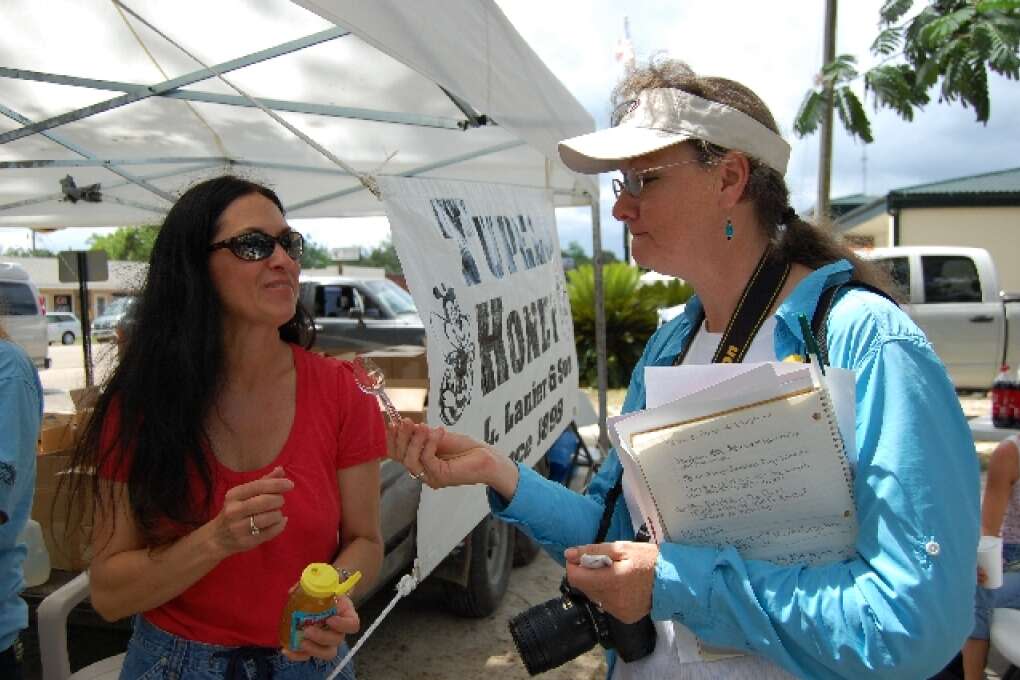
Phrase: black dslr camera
[554,632]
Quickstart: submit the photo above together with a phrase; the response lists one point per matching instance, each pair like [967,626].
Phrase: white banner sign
[483,265]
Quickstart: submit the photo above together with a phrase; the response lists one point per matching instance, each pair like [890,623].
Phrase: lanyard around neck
[760,294]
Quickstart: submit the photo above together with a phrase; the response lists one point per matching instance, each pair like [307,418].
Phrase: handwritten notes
[762,470]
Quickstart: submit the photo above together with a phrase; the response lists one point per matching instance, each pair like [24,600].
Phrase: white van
[23,314]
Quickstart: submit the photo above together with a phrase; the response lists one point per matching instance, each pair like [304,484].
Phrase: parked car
[104,327]
[23,313]
[953,294]
[361,315]
[62,327]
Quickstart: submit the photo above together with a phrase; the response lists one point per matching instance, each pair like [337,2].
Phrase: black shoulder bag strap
[753,308]
[607,511]
[820,320]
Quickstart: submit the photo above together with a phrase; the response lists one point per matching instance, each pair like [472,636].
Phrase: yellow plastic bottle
[313,601]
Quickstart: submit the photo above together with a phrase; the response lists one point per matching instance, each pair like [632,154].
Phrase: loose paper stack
[752,457]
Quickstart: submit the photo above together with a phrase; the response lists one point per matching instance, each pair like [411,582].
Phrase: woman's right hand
[254,504]
[442,458]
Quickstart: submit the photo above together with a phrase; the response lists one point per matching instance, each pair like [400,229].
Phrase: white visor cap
[663,117]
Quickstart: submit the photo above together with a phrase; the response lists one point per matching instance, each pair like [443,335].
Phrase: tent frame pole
[85,153]
[600,323]
[144,91]
[156,89]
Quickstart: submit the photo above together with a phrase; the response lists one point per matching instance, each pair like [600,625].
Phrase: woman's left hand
[623,589]
[323,642]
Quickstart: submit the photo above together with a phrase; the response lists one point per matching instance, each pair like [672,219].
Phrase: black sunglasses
[256,245]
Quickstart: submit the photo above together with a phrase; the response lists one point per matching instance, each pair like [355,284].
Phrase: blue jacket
[904,605]
[21,406]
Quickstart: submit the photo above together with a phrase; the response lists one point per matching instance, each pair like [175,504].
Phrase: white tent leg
[600,322]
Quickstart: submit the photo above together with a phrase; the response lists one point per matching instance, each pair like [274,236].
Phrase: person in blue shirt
[703,195]
[21,408]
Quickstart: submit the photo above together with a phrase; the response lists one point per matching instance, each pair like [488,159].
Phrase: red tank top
[239,602]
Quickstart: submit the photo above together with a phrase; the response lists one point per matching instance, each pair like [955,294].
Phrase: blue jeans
[154,654]
[1006,597]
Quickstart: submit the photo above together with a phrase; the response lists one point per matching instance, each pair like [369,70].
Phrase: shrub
[630,317]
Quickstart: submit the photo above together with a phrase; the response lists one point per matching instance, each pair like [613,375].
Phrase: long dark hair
[793,237]
[170,371]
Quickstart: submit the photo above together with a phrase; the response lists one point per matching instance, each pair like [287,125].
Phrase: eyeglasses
[256,245]
[633,181]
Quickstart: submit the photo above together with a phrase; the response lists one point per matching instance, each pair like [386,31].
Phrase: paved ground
[419,639]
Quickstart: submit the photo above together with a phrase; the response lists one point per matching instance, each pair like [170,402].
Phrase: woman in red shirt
[229,456]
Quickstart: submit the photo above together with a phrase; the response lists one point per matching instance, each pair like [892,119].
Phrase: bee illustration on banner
[458,376]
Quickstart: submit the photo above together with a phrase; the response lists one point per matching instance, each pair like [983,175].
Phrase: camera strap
[759,296]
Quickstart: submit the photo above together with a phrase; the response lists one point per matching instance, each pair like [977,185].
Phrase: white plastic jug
[37,561]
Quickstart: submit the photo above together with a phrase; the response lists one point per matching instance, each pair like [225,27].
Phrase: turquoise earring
[729,229]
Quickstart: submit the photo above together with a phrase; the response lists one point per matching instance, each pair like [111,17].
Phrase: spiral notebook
[755,462]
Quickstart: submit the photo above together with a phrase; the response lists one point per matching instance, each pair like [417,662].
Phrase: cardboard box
[409,401]
[343,354]
[403,366]
[57,432]
[67,532]
[84,400]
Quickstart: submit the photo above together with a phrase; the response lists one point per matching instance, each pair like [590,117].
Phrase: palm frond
[946,27]
[893,10]
[842,69]
[1001,49]
[888,41]
[1004,6]
[852,114]
[891,89]
[809,115]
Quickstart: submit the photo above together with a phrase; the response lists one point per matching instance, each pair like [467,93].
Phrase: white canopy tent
[439,89]
[109,109]
[95,92]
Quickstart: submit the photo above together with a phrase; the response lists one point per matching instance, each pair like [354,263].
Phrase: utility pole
[625,57]
[825,142]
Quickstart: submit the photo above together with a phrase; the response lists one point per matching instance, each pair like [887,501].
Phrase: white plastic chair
[1005,637]
[52,622]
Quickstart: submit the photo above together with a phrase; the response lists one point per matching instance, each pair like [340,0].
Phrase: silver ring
[255,531]
[420,476]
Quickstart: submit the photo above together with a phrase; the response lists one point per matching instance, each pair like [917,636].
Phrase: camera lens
[552,633]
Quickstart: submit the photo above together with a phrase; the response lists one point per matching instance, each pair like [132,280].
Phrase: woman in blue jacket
[702,192]
[21,406]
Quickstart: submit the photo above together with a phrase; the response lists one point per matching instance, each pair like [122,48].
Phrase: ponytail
[804,243]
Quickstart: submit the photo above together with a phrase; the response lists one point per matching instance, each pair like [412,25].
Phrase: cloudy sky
[776,49]
[773,47]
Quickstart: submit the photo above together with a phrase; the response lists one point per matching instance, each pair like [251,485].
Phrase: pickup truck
[953,294]
[360,315]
